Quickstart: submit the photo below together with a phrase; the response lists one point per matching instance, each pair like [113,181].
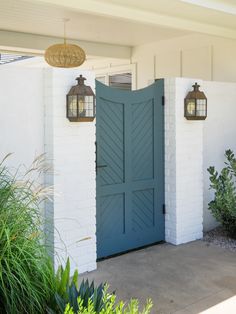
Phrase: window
[121,77]
[120,81]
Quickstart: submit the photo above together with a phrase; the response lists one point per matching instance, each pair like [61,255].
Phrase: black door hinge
[163,100]
[96,155]
[164,209]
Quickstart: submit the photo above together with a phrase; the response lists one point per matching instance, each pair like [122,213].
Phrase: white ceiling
[212,12]
[121,22]
[44,19]
[192,10]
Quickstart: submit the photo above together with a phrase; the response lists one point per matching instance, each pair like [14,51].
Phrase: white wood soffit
[34,44]
[147,17]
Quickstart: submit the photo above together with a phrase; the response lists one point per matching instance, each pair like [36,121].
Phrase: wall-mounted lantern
[80,102]
[195,104]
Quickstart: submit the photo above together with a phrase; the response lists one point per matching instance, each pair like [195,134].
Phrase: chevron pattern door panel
[142,140]
[130,168]
[143,210]
[112,149]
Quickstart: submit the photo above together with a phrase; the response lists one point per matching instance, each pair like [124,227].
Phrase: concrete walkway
[185,279]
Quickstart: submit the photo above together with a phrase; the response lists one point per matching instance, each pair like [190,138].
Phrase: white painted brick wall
[49,150]
[22,115]
[170,161]
[74,173]
[183,166]
[219,135]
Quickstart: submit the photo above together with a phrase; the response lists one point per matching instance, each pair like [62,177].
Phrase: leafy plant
[67,292]
[28,284]
[26,272]
[223,207]
[110,306]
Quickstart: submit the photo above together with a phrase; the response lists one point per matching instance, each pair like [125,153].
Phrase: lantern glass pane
[72,106]
[201,107]
[82,111]
[89,106]
[190,108]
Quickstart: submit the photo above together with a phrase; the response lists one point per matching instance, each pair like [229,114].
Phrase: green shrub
[67,292]
[28,284]
[26,273]
[87,299]
[223,207]
[110,306]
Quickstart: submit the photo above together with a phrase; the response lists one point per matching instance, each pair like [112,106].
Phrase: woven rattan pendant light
[64,55]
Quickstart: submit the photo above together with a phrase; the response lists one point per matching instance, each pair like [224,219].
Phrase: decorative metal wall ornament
[195,104]
[64,55]
[80,102]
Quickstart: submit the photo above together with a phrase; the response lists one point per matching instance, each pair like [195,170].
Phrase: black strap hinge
[164,209]
[163,100]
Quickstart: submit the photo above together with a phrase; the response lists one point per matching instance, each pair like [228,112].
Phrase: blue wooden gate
[130,168]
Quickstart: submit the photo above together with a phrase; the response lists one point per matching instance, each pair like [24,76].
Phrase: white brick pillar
[71,147]
[183,166]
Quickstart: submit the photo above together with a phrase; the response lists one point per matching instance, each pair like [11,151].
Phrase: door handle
[96,153]
[101,166]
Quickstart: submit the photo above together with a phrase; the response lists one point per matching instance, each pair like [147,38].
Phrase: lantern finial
[196,87]
[80,80]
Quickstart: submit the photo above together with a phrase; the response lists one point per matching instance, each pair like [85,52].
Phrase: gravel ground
[219,237]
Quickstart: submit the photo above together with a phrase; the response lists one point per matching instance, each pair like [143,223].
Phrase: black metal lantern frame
[195,104]
[80,102]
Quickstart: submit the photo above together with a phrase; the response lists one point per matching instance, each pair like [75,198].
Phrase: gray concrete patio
[189,278]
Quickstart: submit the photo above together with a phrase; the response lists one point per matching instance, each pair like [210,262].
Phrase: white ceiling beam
[36,44]
[136,15]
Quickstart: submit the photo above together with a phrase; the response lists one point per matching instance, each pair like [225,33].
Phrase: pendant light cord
[65,21]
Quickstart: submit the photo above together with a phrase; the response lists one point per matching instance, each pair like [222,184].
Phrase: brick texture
[183,166]
[71,147]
